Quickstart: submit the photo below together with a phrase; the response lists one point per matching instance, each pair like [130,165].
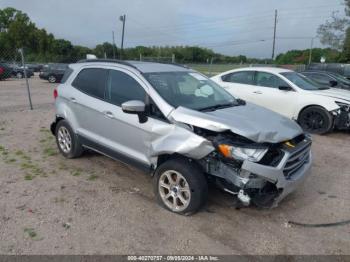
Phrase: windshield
[190,89]
[302,81]
[340,78]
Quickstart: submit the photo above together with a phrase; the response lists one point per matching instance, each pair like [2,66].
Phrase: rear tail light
[1,70]
[55,93]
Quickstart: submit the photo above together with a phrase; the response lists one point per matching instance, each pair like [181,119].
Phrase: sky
[230,27]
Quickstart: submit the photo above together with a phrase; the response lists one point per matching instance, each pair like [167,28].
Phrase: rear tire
[52,79]
[67,141]
[316,120]
[19,75]
[180,186]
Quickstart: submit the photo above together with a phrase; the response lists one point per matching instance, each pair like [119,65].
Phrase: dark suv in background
[53,72]
[329,79]
[18,71]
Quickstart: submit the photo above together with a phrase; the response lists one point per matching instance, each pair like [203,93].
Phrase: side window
[269,80]
[123,88]
[92,81]
[244,77]
[321,78]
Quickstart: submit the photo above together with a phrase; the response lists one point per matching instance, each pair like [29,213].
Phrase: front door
[266,93]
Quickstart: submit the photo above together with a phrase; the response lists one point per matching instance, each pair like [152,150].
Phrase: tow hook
[243,197]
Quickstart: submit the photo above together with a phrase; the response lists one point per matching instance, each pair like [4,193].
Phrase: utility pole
[25,76]
[274,36]
[122,18]
[113,44]
[311,47]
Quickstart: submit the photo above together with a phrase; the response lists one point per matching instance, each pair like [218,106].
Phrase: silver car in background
[182,128]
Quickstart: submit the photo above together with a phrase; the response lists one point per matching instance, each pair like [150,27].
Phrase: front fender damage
[177,139]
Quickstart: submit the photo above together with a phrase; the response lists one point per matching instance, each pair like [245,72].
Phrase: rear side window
[244,77]
[92,81]
[123,88]
[66,75]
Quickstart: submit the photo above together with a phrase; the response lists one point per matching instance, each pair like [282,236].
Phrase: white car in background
[317,109]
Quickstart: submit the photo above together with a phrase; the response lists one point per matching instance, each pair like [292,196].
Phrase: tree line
[18,31]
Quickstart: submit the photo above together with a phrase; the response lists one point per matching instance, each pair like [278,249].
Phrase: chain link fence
[13,67]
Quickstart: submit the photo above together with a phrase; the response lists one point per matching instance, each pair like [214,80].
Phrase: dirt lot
[94,205]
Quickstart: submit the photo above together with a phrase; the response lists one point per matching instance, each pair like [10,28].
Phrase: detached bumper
[277,176]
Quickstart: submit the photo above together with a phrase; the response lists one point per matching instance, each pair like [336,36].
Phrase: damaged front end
[342,116]
[257,173]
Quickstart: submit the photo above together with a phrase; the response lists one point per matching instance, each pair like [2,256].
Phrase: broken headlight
[242,153]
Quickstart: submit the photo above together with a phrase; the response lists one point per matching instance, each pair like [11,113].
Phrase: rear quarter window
[92,81]
[66,75]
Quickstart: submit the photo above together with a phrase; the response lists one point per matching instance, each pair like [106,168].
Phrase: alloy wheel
[64,139]
[174,190]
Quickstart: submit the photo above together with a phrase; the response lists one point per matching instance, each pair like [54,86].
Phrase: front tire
[67,140]
[180,186]
[316,120]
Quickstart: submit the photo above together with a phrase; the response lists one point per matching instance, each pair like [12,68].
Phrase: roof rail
[107,61]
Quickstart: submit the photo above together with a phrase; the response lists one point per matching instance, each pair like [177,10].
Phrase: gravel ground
[94,205]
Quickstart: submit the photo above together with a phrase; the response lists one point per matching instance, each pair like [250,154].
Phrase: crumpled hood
[334,93]
[251,121]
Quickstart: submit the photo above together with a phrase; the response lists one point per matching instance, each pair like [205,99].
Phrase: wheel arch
[308,106]
[166,157]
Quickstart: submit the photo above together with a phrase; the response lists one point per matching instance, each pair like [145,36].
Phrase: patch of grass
[44,130]
[76,173]
[49,151]
[19,153]
[11,160]
[5,152]
[32,233]
[92,177]
[28,177]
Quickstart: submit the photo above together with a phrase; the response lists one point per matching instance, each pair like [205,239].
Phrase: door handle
[257,92]
[109,114]
[73,100]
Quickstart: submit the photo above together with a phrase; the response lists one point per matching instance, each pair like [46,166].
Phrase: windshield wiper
[219,106]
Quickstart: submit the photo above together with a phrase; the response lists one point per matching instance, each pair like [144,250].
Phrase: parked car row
[8,70]
[53,72]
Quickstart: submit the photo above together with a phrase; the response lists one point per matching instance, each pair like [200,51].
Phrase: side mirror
[333,83]
[136,107]
[285,88]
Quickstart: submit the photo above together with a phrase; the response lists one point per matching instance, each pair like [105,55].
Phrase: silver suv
[183,129]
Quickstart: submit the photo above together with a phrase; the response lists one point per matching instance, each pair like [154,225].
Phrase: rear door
[87,100]
[240,84]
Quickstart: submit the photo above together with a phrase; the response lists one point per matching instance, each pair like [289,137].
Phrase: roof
[144,67]
[276,70]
